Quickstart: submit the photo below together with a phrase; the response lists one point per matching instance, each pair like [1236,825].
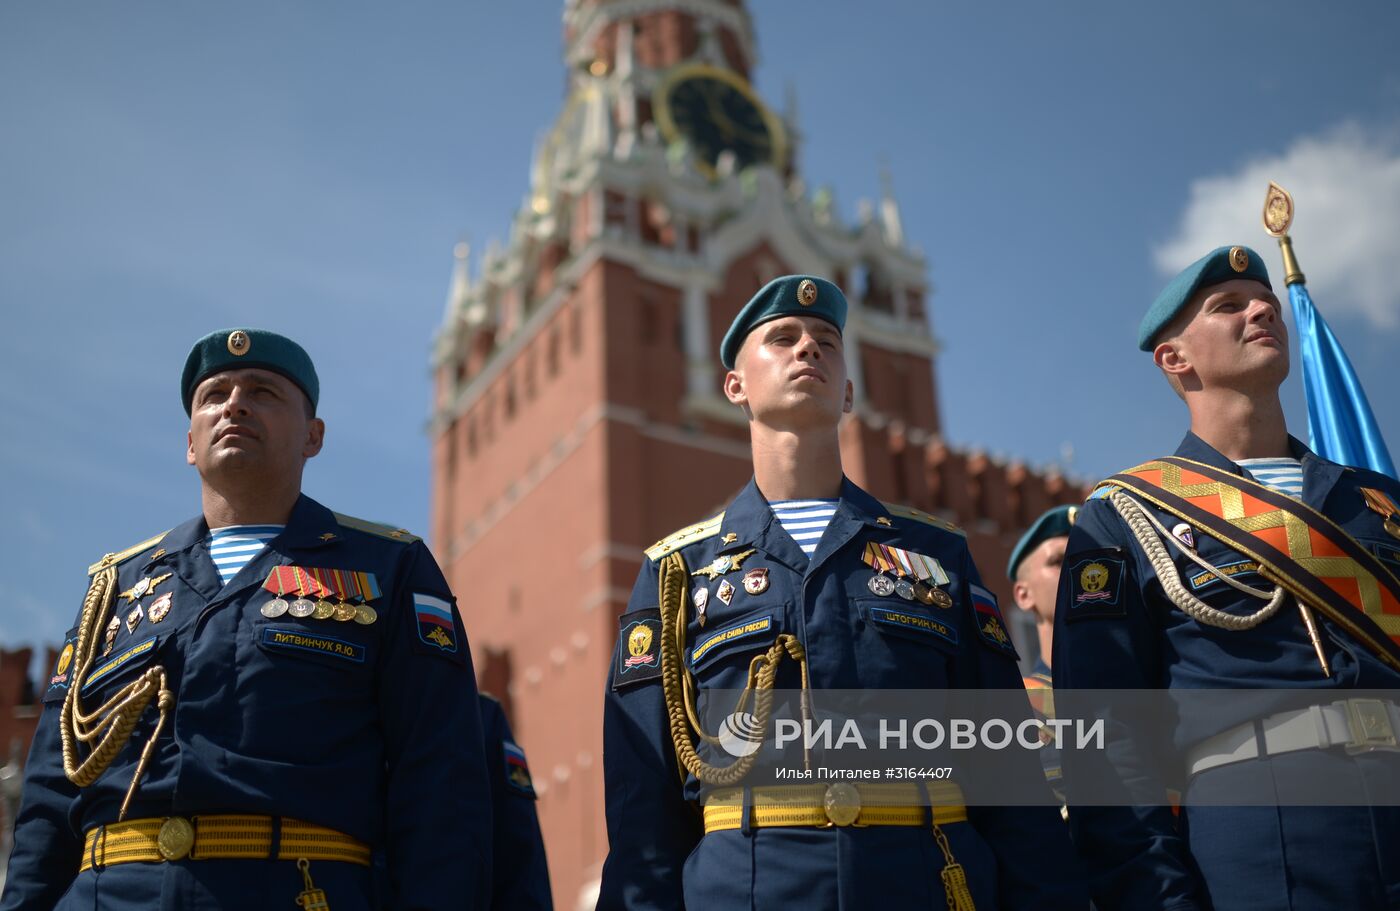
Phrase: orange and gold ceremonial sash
[1296,546]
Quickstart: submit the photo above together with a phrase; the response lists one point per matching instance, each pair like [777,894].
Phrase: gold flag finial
[1278,217]
[1278,210]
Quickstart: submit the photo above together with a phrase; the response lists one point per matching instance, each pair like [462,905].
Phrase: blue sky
[171,169]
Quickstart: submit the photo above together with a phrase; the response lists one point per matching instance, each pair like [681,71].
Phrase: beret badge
[238,343]
[1239,259]
[807,292]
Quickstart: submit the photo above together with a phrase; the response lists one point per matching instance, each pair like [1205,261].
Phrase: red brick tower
[578,414]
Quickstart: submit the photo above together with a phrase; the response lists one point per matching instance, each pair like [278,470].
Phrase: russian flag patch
[435,625]
[991,628]
[517,770]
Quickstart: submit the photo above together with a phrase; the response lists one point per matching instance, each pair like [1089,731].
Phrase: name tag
[298,641]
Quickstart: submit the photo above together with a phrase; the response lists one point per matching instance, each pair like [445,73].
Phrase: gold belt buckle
[1369,721]
[176,838]
[842,804]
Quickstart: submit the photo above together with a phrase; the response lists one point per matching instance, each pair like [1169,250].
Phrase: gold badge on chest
[724,563]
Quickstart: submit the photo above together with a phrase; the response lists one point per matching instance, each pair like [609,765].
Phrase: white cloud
[1346,230]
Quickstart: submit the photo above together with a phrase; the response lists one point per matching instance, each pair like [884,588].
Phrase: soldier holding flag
[1243,561]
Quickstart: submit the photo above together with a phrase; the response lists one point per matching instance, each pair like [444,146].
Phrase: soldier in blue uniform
[805,579]
[1034,571]
[1195,572]
[520,875]
[252,702]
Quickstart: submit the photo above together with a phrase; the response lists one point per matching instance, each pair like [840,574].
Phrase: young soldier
[1034,571]
[805,579]
[1244,561]
[254,701]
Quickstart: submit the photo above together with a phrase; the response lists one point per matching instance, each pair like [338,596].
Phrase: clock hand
[716,110]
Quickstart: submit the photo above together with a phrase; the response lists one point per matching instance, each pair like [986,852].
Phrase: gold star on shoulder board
[724,563]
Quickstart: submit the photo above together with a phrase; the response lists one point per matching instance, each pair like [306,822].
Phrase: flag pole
[1341,425]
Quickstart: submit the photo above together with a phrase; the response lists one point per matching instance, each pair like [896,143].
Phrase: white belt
[1359,725]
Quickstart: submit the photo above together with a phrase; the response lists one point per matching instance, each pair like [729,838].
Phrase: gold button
[238,343]
[176,838]
[842,804]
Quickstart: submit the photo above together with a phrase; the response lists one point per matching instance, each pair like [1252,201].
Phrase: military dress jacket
[659,856]
[372,730]
[1128,635]
[520,879]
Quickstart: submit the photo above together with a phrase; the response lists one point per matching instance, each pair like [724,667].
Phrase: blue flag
[1341,426]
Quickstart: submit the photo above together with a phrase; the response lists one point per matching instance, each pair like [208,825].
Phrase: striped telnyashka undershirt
[1282,475]
[234,546]
[805,520]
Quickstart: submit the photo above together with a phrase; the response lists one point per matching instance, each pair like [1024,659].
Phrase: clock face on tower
[714,109]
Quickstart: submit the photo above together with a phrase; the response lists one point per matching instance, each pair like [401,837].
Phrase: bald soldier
[806,581]
[1200,572]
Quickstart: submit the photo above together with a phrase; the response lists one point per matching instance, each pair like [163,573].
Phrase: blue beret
[236,349]
[1053,523]
[790,295]
[1219,265]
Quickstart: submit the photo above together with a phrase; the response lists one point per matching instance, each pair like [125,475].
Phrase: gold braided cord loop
[1145,528]
[1309,554]
[111,724]
[679,688]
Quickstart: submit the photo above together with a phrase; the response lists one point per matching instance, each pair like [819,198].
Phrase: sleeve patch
[435,622]
[63,670]
[991,628]
[1096,584]
[435,627]
[638,648]
[517,770]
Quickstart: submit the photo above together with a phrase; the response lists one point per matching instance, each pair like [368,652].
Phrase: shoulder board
[688,535]
[908,512]
[123,556]
[374,528]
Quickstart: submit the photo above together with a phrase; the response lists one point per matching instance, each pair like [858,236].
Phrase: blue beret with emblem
[237,349]
[1219,265]
[1053,523]
[789,295]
